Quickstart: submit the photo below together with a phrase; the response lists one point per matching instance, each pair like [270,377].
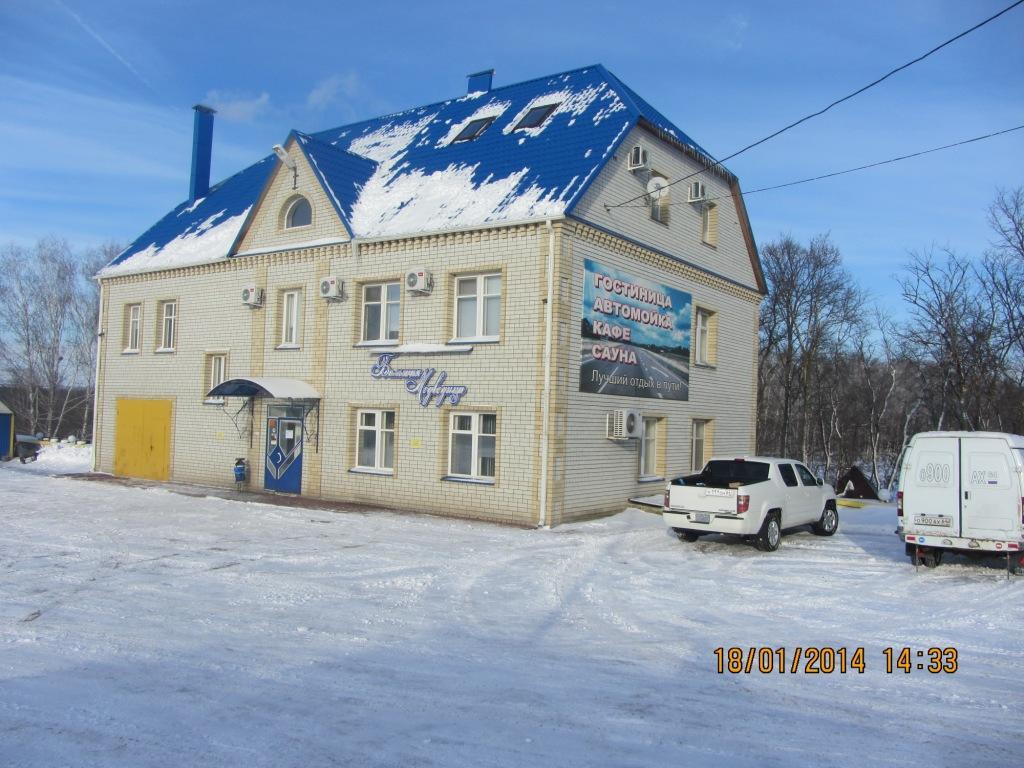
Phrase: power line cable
[849,96]
[858,168]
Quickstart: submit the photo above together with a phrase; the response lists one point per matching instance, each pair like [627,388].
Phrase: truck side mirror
[821,481]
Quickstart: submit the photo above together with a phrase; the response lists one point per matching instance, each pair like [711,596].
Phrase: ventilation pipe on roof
[202,148]
[480,81]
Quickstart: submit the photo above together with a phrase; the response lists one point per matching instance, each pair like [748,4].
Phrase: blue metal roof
[193,232]
[403,173]
[342,174]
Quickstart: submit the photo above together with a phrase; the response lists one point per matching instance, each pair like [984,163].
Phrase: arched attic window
[298,213]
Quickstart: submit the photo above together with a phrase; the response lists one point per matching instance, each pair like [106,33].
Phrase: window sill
[475,340]
[651,479]
[387,343]
[130,351]
[712,246]
[213,401]
[288,346]
[372,471]
[468,480]
[706,366]
[164,351]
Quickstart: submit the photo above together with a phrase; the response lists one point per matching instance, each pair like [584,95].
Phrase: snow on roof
[198,232]
[265,386]
[401,174]
[342,174]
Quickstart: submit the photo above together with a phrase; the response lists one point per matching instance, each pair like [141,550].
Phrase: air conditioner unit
[331,288]
[697,192]
[419,280]
[637,159]
[252,296]
[625,424]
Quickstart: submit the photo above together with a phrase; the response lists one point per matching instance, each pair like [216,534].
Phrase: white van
[962,491]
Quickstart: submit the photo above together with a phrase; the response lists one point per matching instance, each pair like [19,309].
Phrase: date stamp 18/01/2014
[826,660]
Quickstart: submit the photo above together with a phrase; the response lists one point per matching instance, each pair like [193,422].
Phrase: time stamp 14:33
[826,660]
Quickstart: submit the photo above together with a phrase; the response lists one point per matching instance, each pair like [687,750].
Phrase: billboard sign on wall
[636,336]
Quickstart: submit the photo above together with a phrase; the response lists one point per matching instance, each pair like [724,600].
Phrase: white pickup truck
[753,496]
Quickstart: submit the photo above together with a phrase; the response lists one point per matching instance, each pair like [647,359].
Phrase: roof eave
[748,235]
[711,165]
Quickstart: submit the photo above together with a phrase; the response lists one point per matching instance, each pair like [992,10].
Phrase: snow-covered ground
[59,459]
[143,628]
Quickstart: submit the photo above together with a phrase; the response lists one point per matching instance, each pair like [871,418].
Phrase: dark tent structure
[855,485]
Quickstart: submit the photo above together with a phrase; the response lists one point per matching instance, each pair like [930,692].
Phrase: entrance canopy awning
[277,388]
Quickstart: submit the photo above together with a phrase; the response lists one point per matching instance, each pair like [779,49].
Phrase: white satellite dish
[657,187]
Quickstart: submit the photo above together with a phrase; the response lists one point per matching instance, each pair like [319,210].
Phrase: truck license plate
[940,522]
[717,492]
[702,517]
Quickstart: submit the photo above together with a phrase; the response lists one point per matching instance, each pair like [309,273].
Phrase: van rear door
[991,498]
[931,491]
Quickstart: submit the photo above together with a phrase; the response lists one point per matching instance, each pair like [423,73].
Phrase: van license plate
[940,522]
[702,517]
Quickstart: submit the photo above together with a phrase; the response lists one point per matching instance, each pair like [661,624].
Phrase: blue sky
[96,124]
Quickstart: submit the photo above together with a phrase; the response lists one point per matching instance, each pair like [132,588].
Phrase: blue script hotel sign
[420,381]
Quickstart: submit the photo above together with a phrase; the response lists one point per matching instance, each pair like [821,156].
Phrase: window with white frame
[699,444]
[375,440]
[381,311]
[168,325]
[133,327]
[709,223]
[649,447]
[216,371]
[661,198]
[472,449]
[299,213]
[702,337]
[290,318]
[478,307]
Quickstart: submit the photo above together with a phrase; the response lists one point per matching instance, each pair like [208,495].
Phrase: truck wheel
[770,536]
[828,524]
[686,535]
[930,558]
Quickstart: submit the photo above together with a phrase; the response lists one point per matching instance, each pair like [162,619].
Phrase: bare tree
[956,328]
[812,305]
[84,321]
[878,361]
[48,331]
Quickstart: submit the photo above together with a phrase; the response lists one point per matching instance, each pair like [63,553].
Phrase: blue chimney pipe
[202,148]
[480,81]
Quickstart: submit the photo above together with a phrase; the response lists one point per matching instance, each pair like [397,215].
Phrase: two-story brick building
[445,309]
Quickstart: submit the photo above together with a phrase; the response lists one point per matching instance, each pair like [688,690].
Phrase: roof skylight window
[536,117]
[473,129]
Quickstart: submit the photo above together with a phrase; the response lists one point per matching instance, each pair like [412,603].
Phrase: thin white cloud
[330,88]
[234,107]
[736,26]
[106,46]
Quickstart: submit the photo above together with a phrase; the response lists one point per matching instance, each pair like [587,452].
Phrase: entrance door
[931,492]
[990,498]
[6,435]
[142,440]
[283,467]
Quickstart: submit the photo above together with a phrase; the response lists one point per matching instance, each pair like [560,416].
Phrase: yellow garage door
[142,446]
